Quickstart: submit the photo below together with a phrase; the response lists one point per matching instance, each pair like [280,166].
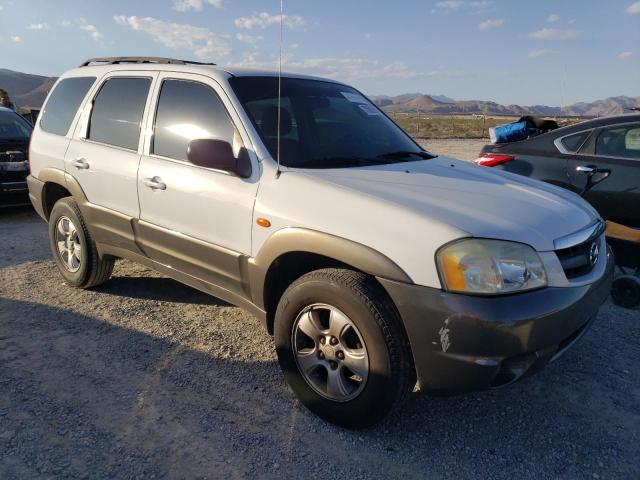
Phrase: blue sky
[518,51]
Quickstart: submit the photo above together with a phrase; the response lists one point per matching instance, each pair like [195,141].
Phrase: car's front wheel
[74,252]
[342,347]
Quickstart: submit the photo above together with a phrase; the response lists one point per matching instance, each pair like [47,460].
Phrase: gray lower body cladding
[463,342]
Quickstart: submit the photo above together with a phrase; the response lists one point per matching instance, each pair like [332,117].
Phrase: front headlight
[490,267]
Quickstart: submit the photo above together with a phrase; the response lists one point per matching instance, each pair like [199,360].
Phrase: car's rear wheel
[74,252]
[342,347]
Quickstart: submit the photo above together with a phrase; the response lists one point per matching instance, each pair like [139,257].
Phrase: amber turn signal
[263,222]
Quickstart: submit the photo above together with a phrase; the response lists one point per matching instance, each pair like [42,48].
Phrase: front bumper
[462,342]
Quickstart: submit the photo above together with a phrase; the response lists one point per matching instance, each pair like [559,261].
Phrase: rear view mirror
[218,154]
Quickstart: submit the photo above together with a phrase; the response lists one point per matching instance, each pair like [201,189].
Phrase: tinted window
[187,111]
[322,124]
[573,142]
[63,104]
[619,141]
[117,112]
[14,127]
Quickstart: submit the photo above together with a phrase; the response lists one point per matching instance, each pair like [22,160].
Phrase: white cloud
[554,33]
[92,30]
[38,26]
[15,39]
[82,24]
[249,39]
[541,52]
[201,42]
[197,5]
[367,36]
[634,7]
[264,20]
[473,6]
[489,24]
[345,68]
[624,55]
[450,4]
[554,17]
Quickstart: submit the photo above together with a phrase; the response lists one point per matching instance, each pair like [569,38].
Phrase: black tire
[93,270]
[625,291]
[391,374]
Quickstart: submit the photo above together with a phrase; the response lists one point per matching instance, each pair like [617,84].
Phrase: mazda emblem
[594,251]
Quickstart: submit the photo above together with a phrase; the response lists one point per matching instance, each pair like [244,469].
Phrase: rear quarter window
[572,143]
[63,104]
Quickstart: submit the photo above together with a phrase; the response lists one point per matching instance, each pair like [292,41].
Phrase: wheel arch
[57,184]
[292,252]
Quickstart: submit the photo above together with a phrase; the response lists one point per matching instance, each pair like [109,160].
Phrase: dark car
[567,156]
[15,133]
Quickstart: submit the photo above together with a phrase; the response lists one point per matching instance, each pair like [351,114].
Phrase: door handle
[155,183]
[80,163]
[586,169]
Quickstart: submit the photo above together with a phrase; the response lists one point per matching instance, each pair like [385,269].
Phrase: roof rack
[118,60]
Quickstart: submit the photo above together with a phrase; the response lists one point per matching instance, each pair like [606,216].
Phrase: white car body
[375,233]
[406,211]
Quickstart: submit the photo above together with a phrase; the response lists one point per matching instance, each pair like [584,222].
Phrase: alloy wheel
[68,243]
[330,352]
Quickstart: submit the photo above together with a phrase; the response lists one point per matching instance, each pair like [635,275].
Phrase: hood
[481,201]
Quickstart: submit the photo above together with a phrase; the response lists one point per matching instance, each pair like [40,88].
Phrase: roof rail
[118,60]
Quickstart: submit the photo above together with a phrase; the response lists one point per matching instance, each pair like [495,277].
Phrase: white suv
[375,264]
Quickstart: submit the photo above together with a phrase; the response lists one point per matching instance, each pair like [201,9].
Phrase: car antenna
[279,89]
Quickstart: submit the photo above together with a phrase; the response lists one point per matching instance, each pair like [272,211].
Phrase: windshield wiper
[347,161]
[405,154]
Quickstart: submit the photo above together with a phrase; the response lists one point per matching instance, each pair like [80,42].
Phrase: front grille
[13,156]
[14,152]
[579,260]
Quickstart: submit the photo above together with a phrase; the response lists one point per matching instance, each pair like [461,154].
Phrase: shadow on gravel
[80,396]
[83,397]
[158,288]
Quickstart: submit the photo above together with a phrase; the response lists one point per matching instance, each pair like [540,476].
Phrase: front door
[194,219]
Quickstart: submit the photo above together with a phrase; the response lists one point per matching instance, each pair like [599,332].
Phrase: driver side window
[187,111]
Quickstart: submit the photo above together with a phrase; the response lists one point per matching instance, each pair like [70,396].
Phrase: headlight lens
[490,267]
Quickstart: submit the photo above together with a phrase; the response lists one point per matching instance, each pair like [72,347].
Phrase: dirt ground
[146,378]
[467,149]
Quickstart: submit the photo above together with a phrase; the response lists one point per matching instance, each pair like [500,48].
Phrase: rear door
[195,219]
[617,148]
[104,153]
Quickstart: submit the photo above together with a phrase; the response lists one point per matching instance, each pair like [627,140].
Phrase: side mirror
[218,154]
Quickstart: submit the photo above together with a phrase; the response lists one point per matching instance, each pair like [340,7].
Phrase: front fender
[294,239]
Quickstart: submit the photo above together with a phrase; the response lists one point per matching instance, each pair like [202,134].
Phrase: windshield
[13,127]
[322,124]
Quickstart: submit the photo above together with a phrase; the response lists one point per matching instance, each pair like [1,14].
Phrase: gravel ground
[467,149]
[146,378]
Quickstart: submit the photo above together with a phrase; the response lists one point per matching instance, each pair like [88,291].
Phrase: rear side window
[619,141]
[117,111]
[188,111]
[63,104]
[573,142]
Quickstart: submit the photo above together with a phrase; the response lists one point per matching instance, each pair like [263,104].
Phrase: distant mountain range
[441,105]
[25,89]
[31,90]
